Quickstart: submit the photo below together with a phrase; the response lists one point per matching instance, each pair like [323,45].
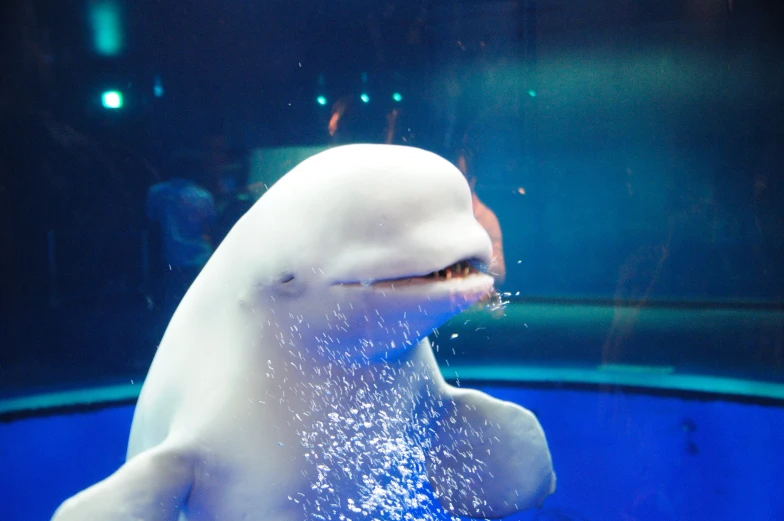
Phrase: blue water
[618,457]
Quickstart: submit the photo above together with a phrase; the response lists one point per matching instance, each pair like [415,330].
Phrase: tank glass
[625,158]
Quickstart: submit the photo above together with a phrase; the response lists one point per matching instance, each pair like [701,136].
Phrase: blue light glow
[321,100]
[106,24]
[112,99]
[157,88]
[397,97]
[364,97]
[532,93]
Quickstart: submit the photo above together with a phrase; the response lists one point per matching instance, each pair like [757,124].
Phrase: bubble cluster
[369,428]
[368,453]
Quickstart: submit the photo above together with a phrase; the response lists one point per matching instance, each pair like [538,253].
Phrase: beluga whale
[295,381]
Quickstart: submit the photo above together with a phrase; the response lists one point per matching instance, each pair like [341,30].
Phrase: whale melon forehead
[359,212]
[370,193]
[387,173]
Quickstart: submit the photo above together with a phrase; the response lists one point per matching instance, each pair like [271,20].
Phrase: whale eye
[288,285]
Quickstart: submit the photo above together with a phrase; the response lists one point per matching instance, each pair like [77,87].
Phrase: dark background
[646,136]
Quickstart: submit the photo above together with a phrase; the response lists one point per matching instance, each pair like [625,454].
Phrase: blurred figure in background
[343,121]
[357,120]
[184,210]
[400,128]
[483,214]
[233,196]
[391,130]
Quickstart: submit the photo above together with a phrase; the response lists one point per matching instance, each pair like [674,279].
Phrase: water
[626,160]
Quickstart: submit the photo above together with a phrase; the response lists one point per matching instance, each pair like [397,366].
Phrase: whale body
[295,379]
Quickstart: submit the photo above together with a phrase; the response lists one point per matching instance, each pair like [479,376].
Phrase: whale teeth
[457,270]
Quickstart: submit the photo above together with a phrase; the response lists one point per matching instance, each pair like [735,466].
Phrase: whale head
[359,252]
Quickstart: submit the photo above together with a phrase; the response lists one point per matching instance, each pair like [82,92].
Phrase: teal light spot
[112,99]
[532,93]
[397,97]
[157,88]
[364,97]
[106,24]
[321,100]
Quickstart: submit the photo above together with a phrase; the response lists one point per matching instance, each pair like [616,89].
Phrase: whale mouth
[459,270]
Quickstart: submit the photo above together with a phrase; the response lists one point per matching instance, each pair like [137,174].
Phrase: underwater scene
[392,260]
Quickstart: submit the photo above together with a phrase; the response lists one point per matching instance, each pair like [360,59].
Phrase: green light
[365,98]
[397,97]
[321,100]
[532,93]
[112,99]
[107,27]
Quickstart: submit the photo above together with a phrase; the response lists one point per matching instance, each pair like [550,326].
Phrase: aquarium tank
[394,260]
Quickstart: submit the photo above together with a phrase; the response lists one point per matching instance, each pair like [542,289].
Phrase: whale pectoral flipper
[489,457]
[152,486]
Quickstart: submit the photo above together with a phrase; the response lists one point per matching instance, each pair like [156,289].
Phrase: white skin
[295,380]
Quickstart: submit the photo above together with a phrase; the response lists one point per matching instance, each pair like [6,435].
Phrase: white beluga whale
[295,380]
